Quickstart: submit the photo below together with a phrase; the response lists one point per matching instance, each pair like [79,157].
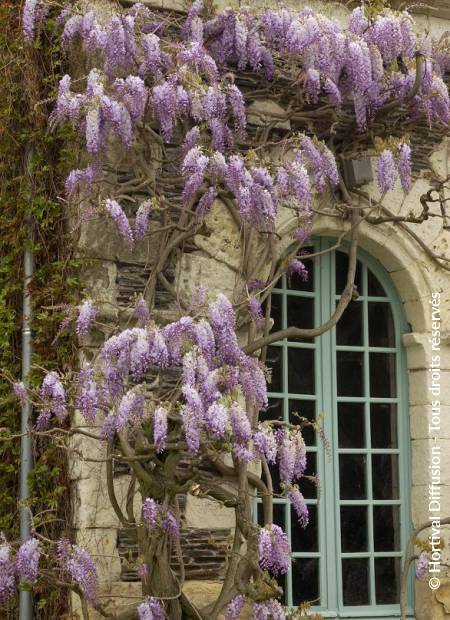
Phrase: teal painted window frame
[329,553]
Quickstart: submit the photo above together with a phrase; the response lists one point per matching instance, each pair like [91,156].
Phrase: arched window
[353,382]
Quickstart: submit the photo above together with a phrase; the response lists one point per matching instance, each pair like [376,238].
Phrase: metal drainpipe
[26,456]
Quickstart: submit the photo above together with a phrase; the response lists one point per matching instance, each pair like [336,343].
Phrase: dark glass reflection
[382,375]
[301,371]
[274,411]
[305,539]
[374,287]
[351,425]
[350,373]
[300,313]
[304,409]
[383,425]
[341,273]
[305,581]
[276,311]
[381,324]
[385,476]
[355,581]
[279,511]
[387,580]
[349,331]
[386,528]
[309,487]
[274,362]
[353,529]
[352,476]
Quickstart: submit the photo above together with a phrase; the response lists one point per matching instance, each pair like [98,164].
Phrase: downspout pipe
[26,455]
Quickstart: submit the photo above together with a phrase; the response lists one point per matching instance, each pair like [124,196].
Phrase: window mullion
[326,387]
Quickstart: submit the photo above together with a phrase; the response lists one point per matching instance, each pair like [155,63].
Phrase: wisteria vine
[183,83]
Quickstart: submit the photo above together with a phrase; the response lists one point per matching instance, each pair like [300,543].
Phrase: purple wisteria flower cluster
[140,73]
[151,609]
[257,192]
[274,550]
[53,400]
[23,568]
[390,168]
[422,565]
[81,567]
[156,516]
[86,316]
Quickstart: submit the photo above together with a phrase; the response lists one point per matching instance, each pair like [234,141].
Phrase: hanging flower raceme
[386,171]
[234,608]
[21,392]
[81,568]
[299,505]
[53,399]
[151,609]
[269,610]
[274,550]
[156,516]
[404,166]
[422,565]
[88,395]
[27,561]
[7,574]
[160,428]
[120,220]
[86,316]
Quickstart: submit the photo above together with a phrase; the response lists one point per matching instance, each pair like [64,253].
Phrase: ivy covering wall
[33,164]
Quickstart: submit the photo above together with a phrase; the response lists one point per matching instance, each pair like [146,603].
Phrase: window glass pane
[275,311]
[351,426]
[382,375]
[353,529]
[305,539]
[383,425]
[349,330]
[355,581]
[305,580]
[373,286]
[309,487]
[300,313]
[304,409]
[387,580]
[385,476]
[350,373]
[274,362]
[274,411]
[386,528]
[381,324]
[341,273]
[279,512]
[352,476]
[301,371]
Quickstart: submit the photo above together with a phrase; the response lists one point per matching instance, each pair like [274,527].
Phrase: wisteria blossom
[234,608]
[86,316]
[121,221]
[274,550]
[422,564]
[21,392]
[151,609]
[82,569]
[386,171]
[27,561]
[7,574]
